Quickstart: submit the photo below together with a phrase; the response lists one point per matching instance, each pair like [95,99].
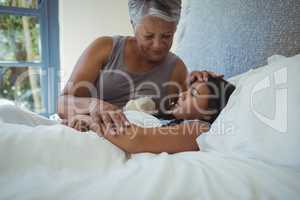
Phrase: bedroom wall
[83,21]
[228,36]
[231,36]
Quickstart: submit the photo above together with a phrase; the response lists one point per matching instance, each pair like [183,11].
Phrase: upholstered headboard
[232,36]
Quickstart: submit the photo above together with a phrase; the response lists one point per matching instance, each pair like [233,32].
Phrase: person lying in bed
[194,111]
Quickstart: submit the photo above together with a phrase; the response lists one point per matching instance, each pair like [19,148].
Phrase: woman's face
[193,104]
[154,37]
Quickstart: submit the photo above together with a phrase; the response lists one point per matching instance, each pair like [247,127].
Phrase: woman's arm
[70,105]
[179,78]
[171,139]
[76,97]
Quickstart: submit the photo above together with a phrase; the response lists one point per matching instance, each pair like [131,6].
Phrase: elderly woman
[113,70]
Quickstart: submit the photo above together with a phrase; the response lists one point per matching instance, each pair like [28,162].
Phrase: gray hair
[168,10]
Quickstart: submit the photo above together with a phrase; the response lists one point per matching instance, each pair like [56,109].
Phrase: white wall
[83,21]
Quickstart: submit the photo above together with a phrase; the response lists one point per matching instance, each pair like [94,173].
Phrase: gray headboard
[232,36]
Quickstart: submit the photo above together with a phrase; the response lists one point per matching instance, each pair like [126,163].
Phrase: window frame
[47,14]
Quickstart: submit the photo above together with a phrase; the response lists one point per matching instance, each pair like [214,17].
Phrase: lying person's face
[193,104]
[203,100]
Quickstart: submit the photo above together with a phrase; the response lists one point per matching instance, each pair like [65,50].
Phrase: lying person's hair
[220,91]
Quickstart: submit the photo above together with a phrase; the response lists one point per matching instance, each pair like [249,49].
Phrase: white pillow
[271,59]
[261,122]
[275,58]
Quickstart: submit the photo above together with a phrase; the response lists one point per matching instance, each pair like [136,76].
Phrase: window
[29,53]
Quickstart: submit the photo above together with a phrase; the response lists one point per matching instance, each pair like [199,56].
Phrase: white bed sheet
[56,162]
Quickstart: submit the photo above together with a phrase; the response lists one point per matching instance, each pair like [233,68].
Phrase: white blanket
[57,162]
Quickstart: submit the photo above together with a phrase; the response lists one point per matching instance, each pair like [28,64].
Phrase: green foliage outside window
[20,42]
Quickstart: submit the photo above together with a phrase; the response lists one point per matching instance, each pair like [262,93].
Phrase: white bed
[51,161]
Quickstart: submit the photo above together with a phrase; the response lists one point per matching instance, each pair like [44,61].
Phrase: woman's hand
[82,123]
[109,117]
[202,76]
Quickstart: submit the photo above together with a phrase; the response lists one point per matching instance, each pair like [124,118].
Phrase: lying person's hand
[110,117]
[202,76]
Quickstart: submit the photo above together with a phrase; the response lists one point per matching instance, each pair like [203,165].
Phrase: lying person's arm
[170,139]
